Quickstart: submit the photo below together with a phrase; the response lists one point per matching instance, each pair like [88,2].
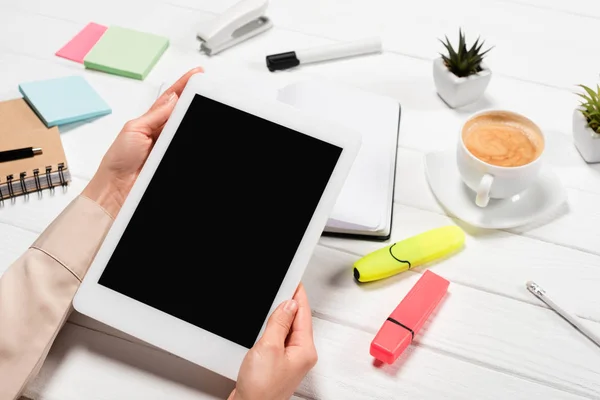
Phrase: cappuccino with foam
[503,139]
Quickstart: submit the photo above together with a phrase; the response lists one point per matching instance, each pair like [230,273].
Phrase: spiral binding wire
[36,179]
[22,181]
[61,174]
[49,177]
[11,192]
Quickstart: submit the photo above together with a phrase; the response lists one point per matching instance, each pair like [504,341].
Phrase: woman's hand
[277,363]
[124,159]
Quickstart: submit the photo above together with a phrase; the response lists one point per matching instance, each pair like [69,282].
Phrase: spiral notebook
[20,127]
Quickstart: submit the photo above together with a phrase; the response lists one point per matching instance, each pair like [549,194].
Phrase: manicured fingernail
[290,306]
[172,97]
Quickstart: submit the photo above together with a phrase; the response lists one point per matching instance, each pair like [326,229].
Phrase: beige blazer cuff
[37,290]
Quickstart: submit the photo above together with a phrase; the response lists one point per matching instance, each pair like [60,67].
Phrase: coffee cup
[499,154]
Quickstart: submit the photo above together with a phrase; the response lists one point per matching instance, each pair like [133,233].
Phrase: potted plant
[586,125]
[460,76]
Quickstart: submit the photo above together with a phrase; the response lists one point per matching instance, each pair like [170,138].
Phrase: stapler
[242,21]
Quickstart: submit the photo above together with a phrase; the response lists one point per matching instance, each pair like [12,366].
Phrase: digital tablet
[219,226]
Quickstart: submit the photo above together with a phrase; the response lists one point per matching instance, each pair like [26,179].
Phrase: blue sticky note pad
[64,100]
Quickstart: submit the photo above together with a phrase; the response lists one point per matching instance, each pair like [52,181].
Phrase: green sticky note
[126,52]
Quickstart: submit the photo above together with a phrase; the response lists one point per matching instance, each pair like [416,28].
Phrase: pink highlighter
[399,330]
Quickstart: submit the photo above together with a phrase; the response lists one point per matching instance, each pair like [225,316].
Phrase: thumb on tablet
[280,322]
[156,117]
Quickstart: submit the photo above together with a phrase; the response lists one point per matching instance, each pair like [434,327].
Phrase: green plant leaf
[485,52]
[590,106]
[461,42]
[590,92]
[478,48]
[463,59]
[473,50]
[594,114]
[449,49]
[448,46]
[586,98]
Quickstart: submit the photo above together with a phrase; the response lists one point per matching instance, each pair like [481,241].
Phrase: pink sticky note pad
[82,43]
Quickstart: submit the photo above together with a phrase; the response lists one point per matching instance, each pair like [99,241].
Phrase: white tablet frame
[170,333]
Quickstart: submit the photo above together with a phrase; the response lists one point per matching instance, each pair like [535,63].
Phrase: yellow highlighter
[409,253]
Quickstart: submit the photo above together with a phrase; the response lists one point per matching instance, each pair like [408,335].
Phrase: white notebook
[364,207]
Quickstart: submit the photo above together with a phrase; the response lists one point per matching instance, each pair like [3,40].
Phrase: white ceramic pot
[458,92]
[586,140]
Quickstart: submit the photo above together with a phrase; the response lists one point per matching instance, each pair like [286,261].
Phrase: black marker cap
[281,61]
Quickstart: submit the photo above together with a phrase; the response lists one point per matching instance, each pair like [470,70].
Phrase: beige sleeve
[37,290]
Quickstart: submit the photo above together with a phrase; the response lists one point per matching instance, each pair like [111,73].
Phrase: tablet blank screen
[218,226]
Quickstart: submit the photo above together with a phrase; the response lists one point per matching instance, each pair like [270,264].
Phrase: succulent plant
[463,61]
[590,106]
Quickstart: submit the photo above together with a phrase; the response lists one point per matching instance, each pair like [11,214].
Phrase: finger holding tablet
[279,324]
[177,87]
[277,363]
[301,335]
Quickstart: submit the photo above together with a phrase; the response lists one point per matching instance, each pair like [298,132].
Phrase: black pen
[18,154]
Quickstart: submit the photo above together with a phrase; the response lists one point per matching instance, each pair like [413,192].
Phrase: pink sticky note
[82,43]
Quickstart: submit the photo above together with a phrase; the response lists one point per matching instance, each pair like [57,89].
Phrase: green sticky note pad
[126,52]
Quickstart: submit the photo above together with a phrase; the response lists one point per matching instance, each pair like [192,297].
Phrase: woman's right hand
[277,363]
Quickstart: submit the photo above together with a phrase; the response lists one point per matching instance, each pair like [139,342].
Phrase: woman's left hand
[124,159]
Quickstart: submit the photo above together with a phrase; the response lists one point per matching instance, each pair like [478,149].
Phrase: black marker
[292,59]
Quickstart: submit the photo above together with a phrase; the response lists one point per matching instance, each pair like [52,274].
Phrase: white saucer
[446,184]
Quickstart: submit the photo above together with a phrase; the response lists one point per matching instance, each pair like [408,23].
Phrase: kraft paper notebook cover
[20,127]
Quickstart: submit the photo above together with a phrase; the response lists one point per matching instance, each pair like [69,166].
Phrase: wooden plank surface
[469,322]
[490,338]
[521,33]
[510,261]
[584,8]
[95,365]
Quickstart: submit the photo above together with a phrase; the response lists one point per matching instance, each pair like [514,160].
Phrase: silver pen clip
[242,21]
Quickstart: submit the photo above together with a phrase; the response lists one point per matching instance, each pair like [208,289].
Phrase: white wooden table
[490,339]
